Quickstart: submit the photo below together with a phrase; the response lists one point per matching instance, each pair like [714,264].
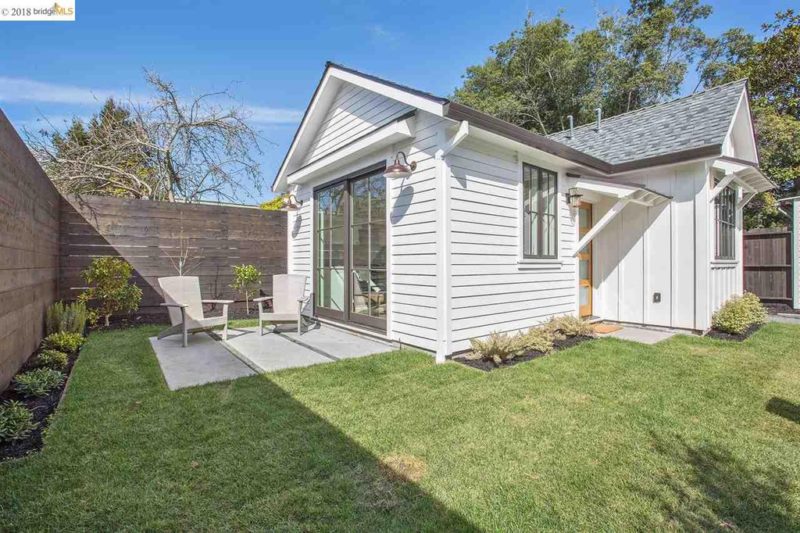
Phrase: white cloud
[273,115]
[26,90]
[379,33]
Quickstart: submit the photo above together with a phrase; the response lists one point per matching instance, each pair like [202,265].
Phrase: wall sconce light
[398,169]
[574,197]
[291,203]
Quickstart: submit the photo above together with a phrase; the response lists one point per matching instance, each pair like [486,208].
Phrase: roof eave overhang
[747,173]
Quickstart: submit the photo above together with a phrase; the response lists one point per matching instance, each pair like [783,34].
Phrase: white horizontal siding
[353,113]
[491,290]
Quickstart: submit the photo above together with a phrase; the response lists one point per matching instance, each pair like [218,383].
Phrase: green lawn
[690,434]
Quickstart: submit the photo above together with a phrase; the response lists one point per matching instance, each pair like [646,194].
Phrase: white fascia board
[385,136]
[616,190]
[395,93]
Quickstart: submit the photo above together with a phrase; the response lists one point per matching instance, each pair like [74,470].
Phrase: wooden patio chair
[182,298]
[287,301]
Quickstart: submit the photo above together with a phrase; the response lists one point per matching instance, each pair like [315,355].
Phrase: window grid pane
[725,230]
[540,205]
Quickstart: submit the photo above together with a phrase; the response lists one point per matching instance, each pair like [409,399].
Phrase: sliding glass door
[350,264]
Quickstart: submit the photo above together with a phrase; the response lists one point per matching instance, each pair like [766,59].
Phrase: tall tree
[772,66]
[546,71]
[168,148]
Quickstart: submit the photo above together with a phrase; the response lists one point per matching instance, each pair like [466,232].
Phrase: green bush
[63,342]
[16,421]
[38,382]
[739,313]
[111,288]
[246,280]
[51,359]
[69,317]
[497,347]
[538,339]
[569,326]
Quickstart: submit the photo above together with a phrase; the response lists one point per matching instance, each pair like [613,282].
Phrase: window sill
[539,263]
[724,261]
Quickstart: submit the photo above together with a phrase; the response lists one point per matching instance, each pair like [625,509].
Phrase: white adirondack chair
[287,301]
[182,298]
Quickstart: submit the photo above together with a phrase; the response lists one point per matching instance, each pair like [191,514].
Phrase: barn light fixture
[398,169]
[291,203]
[574,197]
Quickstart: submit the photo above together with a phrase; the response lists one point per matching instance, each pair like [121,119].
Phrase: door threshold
[592,319]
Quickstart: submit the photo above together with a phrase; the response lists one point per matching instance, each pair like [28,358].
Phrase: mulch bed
[783,309]
[715,334]
[488,366]
[42,409]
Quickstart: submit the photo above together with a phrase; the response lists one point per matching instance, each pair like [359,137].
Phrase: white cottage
[483,226]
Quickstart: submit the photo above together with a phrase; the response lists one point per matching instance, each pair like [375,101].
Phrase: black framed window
[539,206]
[725,214]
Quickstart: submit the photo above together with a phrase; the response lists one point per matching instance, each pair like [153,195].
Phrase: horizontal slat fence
[768,264]
[152,236]
[28,250]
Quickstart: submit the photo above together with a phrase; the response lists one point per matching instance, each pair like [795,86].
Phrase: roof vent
[599,112]
[571,126]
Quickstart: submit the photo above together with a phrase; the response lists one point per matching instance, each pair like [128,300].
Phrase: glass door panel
[585,262]
[330,251]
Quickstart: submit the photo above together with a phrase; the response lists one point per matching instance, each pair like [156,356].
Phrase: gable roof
[701,119]
[688,128]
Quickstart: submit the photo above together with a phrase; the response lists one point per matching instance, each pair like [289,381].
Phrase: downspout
[444,249]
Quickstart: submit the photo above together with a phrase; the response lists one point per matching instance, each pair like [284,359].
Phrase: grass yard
[689,434]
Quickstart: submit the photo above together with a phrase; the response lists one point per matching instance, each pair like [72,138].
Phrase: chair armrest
[304,298]
[262,299]
[183,306]
[217,301]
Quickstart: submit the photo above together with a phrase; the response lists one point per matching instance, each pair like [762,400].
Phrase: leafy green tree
[274,204]
[246,280]
[546,71]
[772,67]
[111,288]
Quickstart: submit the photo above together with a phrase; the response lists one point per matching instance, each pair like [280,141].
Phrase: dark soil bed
[783,309]
[488,366]
[42,408]
[715,334]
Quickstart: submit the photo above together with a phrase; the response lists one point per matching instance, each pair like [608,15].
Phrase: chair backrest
[286,290]
[182,290]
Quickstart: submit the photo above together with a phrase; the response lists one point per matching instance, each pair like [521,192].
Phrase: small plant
[537,339]
[246,280]
[38,382]
[739,313]
[497,347]
[569,326]
[63,342]
[111,288]
[275,204]
[16,421]
[51,359]
[69,317]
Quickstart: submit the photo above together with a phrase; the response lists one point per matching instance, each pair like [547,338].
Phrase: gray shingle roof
[700,119]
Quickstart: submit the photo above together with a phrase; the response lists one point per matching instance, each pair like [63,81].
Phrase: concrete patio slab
[338,343]
[271,351]
[204,361]
[641,335]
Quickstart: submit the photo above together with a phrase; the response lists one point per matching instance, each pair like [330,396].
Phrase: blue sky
[271,54]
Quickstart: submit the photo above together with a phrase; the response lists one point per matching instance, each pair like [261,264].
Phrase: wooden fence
[768,264]
[28,250]
[154,236]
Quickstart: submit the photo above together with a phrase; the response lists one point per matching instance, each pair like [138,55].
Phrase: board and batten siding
[491,289]
[354,113]
[411,222]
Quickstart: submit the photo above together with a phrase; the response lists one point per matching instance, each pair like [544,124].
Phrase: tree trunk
[107,317]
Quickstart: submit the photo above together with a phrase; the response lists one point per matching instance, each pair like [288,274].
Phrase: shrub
[538,339]
[275,204]
[51,359]
[569,326]
[246,279]
[38,382]
[63,342]
[66,317]
[111,288]
[16,421]
[497,347]
[739,313]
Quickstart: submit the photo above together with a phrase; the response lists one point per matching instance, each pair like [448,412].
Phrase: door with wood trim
[585,262]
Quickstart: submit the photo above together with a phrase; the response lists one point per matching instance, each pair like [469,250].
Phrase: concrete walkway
[641,334]
[785,318]
[204,361]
